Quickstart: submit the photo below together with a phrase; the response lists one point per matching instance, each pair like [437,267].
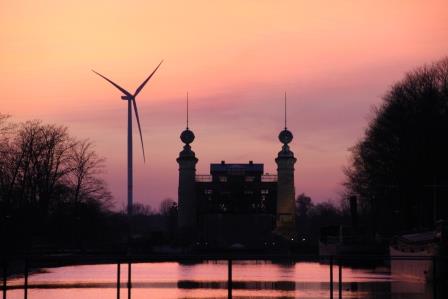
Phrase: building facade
[236,204]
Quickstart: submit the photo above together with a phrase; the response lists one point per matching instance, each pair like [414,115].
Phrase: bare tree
[166,206]
[303,205]
[6,126]
[141,209]
[84,176]
[6,133]
[50,185]
[40,156]
[42,165]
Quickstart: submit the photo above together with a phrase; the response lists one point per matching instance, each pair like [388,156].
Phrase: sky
[335,60]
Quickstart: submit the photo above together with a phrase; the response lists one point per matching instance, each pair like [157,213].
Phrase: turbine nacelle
[126,98]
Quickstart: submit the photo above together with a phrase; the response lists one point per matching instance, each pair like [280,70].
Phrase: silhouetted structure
[236,204]
[127,96]
[285,190]
[187,175]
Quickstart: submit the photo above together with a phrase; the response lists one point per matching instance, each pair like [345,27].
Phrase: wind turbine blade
[137,91]
[139,128]
[114,84]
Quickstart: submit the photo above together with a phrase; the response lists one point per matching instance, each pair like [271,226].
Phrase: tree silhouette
[50,183]
[303,205]
[311,217]
[166,206]
[84,176]
[399,168]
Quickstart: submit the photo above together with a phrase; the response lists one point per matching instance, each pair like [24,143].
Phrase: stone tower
[186,193]
[285,186]
[187,216]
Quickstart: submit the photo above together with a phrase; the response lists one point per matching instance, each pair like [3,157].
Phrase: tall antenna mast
[187,110]
[285,109]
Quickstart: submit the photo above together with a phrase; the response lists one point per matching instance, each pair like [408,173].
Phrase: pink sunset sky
[335,60]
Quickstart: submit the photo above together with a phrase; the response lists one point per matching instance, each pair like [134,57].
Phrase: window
[223,179]
[250,179]
[208,191]
[264,191]
[223,207]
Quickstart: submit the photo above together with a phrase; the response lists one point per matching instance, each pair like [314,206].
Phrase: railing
[209,178]
[269,178]
[203,178]
[333,261]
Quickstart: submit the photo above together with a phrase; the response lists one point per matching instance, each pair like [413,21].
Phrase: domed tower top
[187,137]
[285,136]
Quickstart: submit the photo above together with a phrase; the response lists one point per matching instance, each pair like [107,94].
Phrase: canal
[251,279]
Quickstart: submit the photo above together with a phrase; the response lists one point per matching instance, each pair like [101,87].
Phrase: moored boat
[413,256]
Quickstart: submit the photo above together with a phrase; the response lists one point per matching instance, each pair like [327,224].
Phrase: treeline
[399,167]
[312,217]
[52,194]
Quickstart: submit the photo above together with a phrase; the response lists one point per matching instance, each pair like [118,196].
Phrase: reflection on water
[209,280]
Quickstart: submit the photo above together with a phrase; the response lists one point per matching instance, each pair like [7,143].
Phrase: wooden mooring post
[340,279]
[229,279]
[434,278]
[129,279]
[118,279]
[5,277]
[25,279]
[331,277]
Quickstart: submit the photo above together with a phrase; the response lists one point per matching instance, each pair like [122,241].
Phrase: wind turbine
[131,102]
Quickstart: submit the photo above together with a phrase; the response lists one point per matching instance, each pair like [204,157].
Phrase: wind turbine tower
[127,96]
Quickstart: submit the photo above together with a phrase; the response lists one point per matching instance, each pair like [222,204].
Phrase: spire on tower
[187,136]
[285,136]
[187,110]
[285,110]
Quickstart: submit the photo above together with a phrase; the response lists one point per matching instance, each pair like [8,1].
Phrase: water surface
[209,280]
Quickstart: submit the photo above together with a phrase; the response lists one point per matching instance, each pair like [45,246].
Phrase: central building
[236,205]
